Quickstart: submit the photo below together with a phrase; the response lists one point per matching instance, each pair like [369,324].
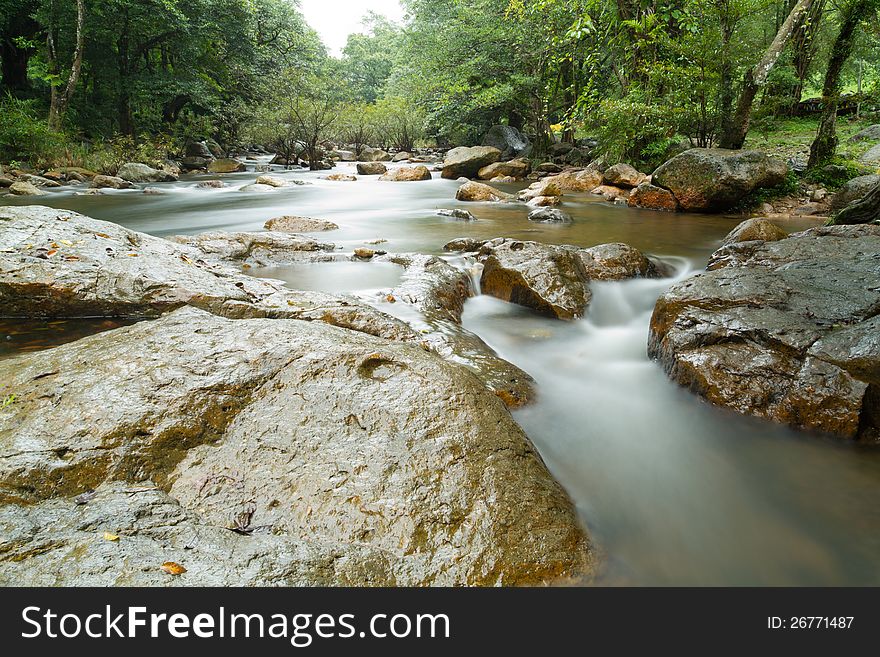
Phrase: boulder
[25,189]
[341,487]
[263,249]
[623,175]
[464,244]
[294,224]
[374,155]
[226,165]
[198,149]
[549,167]
[854,190]
[141,173]
[401,156]
[256,187]
[467,161]
[583,180]
[871,133]
[754,229]
[508,140]
[211,184]
[40,181]
[871,156]
[340,177]
[611,193]
[503,179]
[617,261]
[111,182]
[461,215]
[549,216]
[343,156]
[474,191]
[545,187]
[513,168]
[716,179]
[191,163]
[651,197]
[272,181]
[407,174]
[785,330]
[55,263]
[544,201]
[371,168]
[215,149]
[548,279]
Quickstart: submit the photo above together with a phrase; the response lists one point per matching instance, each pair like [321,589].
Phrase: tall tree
[60,98]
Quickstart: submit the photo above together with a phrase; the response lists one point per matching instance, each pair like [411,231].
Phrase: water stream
[673,490]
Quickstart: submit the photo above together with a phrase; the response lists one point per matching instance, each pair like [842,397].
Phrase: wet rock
[754,229]
[260,249]
[226,165]
[611,193]
[256,187]
[198,149]
[211,184]
[464,244]
[617,261]
[402,156]
[192,163]
[407,174]
[462,215]
[153,191]
[549,167]
[371,168]
[545,187]
[467,161]
[549,279]
[294,224]
[111,182]
[544,201]
[40,181]
[854,190]
[474,191]
[549,216]
[651,197]
[715,179]
[513,169]
[272,181]
[141,173]
[439,487]
[583,180]
[374,155]
[508,140]
[340,177]
[503,179]
[784,330]
[5,181]
[623,175]
[25,189]
[363,253]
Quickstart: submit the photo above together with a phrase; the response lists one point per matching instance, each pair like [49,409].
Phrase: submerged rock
[785,330]
[464,244]
[465,161]
[256,187]
[457,213]
[111,182]
[272,181]
[342,486]
[294,224]
[341,177]
[715,179]
[549,216]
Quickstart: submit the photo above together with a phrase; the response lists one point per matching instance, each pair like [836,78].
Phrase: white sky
[334,20]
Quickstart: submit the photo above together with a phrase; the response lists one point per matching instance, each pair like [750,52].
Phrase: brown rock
[474,191]
[754,229]
[294,224]
[407,174]
[651,197]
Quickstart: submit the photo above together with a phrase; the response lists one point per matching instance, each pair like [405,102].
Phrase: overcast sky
[336,19]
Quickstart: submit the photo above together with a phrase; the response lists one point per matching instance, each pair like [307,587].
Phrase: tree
[309,104]
[825,143]
[356,126]
[756,77]
[863,211]
[60,99]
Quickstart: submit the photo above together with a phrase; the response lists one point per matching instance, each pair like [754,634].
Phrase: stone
[341,177]
[549,167]
[508,140]
[294,224]
[25,189]
[402,156]
[715,179]
[141,173]
[617,261]
[651,197]
[407,174]
[474,191]
[191,163]
[263,249]
[611,193]
[549,216]
[871,133]
[363,253]
[464,244]
[211,184]
[754,229]
[461,215]
[467,161]
[374,155]
[623,175]
[256,187]
[854,190]
[226,165]
[545,187]
[513,169]
[111,182]
[341,487]
[198,149]
[272,181]
[371,168]
[784,330]
[544,201]
[40,181]
[503,179]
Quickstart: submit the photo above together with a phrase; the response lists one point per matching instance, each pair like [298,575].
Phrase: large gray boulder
[716,179]
[510,141]
[141,173]
[467,161]
[853,190]
[266,452]
[786,330]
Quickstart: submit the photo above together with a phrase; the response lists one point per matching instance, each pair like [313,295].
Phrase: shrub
[24,135]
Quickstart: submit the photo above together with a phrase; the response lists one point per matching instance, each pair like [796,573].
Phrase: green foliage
[9,400]
[836,173]
[789,187]
[24,135]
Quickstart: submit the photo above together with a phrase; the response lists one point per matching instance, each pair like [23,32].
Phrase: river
[673,490]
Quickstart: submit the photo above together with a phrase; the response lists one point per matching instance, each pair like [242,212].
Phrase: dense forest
[93,82]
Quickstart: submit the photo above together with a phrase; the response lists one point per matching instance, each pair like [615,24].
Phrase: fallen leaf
[173,568]
[104,235]
[390,298]
[51,252]
[132,255]
[111,537]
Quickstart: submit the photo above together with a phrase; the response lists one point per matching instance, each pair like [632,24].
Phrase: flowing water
[674,491]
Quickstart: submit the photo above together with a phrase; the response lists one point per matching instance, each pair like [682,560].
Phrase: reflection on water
[20,335]
[678,492]
[334,277]
[675,491]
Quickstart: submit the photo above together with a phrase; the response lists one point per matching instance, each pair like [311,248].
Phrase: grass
[791,137]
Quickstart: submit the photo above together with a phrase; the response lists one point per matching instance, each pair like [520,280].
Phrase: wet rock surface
[407,174]
[784,330]
[260,249]
[467,161]
[268,452]
[294,224]
[474,191]
[754,229]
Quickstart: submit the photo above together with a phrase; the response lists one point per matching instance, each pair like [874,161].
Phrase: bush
[24,135]
[836,173]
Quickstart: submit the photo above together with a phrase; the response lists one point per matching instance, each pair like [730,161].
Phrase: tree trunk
[863,211]
[825,143]
[60,100]
[756,78]
[804,45]
[123,102]
[725,100]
